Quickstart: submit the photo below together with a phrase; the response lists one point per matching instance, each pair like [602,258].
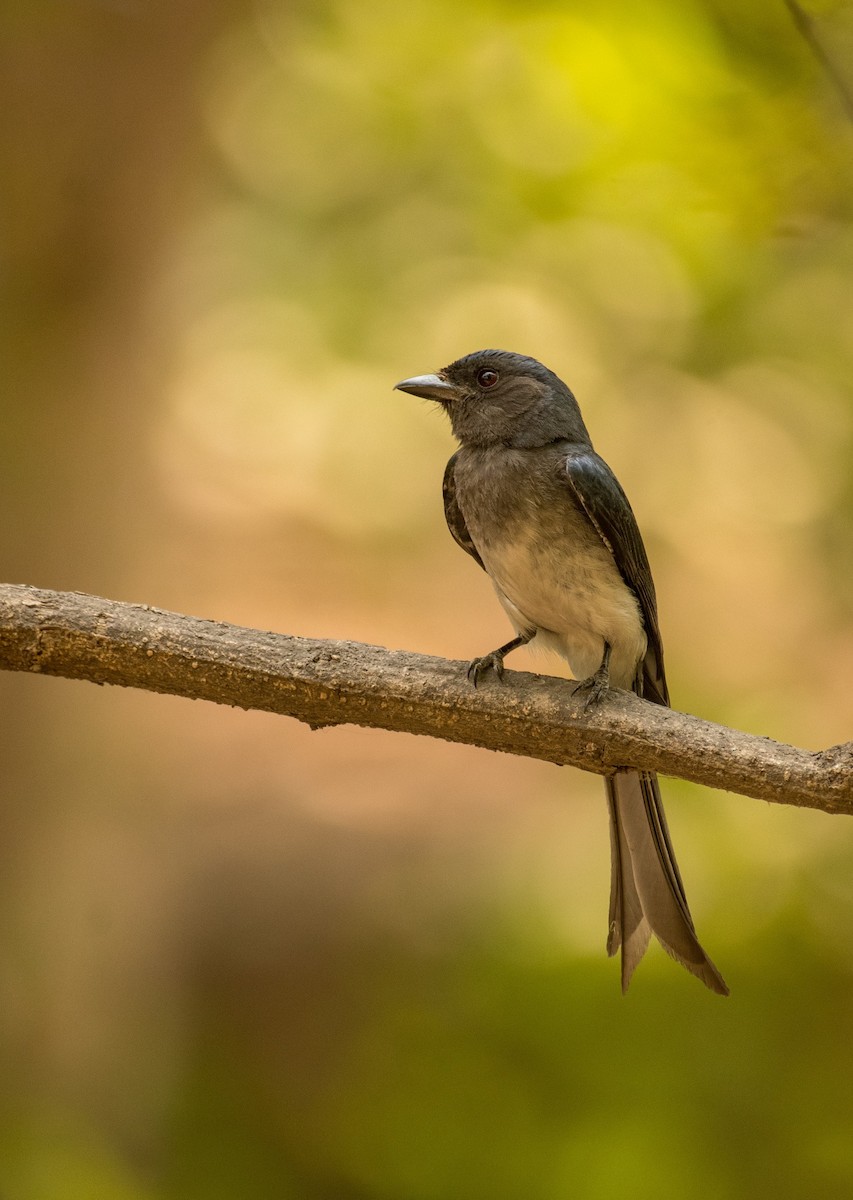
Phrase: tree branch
[334,683]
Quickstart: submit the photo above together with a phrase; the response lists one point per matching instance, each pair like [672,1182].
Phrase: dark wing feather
[600,495]
[453,513]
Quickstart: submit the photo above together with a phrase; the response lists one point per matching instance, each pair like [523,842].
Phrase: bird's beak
[428,387]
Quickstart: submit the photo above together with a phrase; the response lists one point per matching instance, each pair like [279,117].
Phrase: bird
[528,498]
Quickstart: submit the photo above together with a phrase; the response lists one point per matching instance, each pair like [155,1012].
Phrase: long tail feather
[647,895]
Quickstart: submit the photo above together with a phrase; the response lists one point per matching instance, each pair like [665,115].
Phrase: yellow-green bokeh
[241,959]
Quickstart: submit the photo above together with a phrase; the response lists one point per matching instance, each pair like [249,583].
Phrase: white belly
[575,599]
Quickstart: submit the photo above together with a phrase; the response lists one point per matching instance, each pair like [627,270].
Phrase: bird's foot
[489,662]
[495,661]
[594,689]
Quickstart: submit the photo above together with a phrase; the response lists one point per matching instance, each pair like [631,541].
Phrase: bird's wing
[453,513]
[600,494]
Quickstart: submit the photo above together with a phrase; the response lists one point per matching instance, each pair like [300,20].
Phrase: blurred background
[238,958]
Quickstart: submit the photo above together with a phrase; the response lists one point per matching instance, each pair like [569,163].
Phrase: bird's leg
[495,660]
[597,684]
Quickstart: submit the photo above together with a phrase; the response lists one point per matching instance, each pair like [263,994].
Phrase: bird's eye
[487,378]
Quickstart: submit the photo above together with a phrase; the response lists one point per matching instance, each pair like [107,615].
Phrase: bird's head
[494,397]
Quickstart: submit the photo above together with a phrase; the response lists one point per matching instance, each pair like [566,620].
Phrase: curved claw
[595,687]
[481,666]
[597,684]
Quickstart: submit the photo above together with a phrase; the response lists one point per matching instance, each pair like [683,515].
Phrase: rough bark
[333,683]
